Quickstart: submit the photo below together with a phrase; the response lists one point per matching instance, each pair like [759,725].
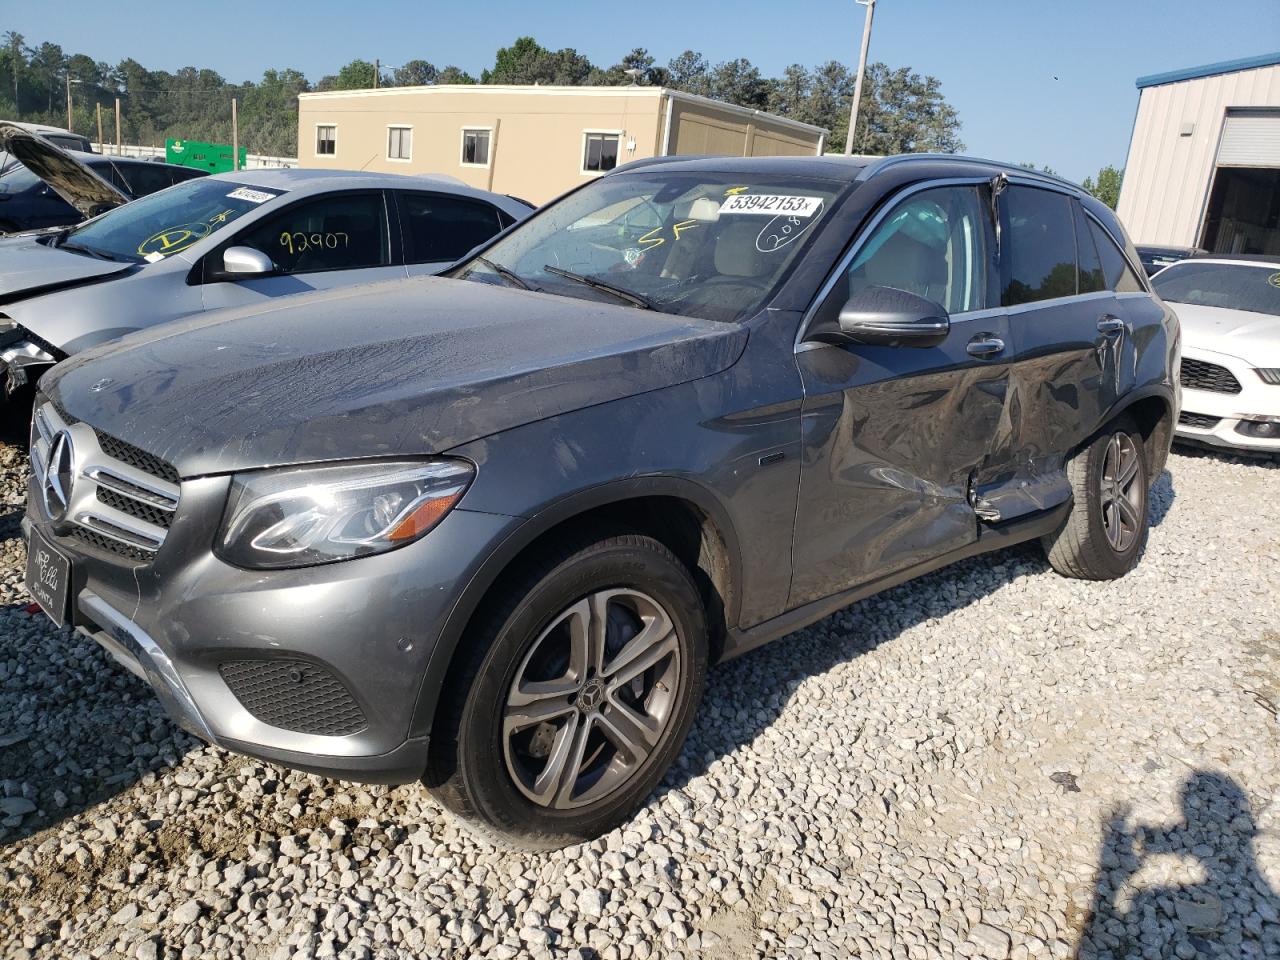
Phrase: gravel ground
[990,762]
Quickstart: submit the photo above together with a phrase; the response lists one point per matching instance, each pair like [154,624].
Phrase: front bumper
[369,625]
[1227,420]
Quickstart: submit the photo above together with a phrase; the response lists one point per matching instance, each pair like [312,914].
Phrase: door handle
[985,346]
[1110,324]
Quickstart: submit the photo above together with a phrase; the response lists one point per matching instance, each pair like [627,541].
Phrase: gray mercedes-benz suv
[489,530]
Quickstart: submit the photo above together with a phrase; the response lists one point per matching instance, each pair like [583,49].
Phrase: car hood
[70,179]
[29,268]
[1253,337]
[398,368]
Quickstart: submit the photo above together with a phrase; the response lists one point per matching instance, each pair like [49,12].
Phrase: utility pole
[377,69]
[862,69]
[117,126]
[69,101]
[235,135]
[99,107]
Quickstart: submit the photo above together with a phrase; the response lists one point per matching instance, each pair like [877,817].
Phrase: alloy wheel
[1121,492]
[591,699]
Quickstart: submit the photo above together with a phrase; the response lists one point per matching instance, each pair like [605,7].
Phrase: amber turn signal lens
[422,518]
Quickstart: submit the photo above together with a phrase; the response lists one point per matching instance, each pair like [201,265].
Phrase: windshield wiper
[90,251]
[505,273]
[638,299]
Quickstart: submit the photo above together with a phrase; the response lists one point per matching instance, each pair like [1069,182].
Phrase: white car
[1230,313]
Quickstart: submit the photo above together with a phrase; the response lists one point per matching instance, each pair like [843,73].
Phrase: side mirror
[244,263]
[887,317]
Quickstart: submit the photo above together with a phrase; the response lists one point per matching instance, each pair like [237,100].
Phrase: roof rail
[900,158]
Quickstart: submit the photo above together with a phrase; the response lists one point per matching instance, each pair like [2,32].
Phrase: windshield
[699,244]
[168,222]
[1235,286]
[17,178]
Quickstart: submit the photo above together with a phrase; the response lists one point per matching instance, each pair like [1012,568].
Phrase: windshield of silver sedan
[699,244]
[1254,287]
[165,223]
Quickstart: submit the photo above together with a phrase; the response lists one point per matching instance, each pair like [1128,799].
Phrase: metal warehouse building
[1204,160]
[530,141]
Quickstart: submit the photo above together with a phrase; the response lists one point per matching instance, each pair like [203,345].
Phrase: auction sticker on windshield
[253,196]
[770,204]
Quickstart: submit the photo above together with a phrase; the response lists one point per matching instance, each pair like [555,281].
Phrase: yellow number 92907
[297,242]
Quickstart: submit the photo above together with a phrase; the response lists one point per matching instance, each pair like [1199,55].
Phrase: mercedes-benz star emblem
[59,475]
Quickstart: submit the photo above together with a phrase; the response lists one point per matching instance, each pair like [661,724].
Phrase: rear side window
[145,178]
[931,244]
[1092,278]
[183,174]
[1038,246]
[1115,268]
[340,232]
[440,228]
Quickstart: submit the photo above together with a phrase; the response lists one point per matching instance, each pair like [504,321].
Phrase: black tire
[476,760]
[1085,546]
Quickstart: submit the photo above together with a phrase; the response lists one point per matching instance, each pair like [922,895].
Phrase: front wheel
[1104,533]
[579,694]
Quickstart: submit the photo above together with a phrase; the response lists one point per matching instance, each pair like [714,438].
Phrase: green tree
[904,112]
[827,103]
[455,75]
[15,45]
[738,81]
[356,75]
[690,72]
[415,73]
[527,61]
[791,91]
[1106,187]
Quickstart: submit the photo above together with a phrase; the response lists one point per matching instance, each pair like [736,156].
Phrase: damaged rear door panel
[1068,339]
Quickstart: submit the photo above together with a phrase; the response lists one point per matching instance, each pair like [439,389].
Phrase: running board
[990,538]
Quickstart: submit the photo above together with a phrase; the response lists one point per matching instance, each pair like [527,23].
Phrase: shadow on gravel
[1230,911]
[1195,451]
[1160,498]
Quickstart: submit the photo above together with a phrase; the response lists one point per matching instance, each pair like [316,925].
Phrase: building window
[475,148]
[326,140]
[601,152]
[399,143]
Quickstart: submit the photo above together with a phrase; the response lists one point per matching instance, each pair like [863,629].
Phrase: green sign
[214,157]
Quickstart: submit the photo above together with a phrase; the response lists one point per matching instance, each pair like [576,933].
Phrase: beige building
[529,141]
[1204,160]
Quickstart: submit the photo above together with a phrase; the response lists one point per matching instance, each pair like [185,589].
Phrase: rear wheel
[579,694]
[1104,533]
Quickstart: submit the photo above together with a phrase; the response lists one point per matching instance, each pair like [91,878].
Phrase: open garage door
[1243,215]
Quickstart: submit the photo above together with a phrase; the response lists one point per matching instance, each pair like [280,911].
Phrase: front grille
[127,453]
[1198,420]
[1269,375]
[91,538]
[294,695]
[136,505]
[122,499]
[1200,375]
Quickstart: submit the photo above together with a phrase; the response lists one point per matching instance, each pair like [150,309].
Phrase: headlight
[310,515]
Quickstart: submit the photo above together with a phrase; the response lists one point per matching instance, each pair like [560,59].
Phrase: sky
[1048,83]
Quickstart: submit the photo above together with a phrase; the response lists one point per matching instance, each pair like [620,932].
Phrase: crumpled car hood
[404,367]
[28,268]
[1253,337]
[70,179]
